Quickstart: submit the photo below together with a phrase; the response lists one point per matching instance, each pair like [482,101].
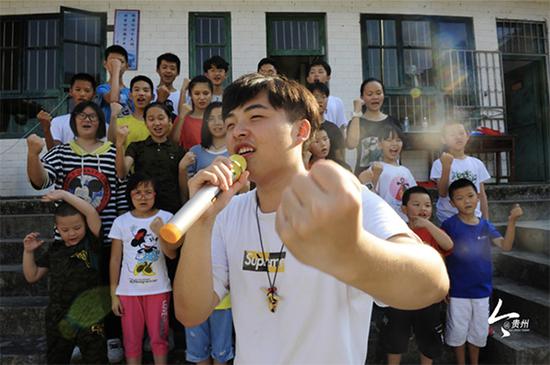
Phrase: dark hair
[206,135]
[388,130]
[65,209]
[319,62]
[459,184]
[118,50]
[79,108]
[268,61]
[297,102]
[134,181]
[169,57]
[368,81]
[319,86]
[159,105]
[83,77]
[142,78]
[414,190]
[216,61]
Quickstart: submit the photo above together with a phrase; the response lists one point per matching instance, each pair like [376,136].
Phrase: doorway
[526,93]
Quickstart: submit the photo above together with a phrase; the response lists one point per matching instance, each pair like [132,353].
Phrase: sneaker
[76,356]
[115,353]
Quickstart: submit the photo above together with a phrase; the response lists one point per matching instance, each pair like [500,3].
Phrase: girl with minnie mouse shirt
[140,287]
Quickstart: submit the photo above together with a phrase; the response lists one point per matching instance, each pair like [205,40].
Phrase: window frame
[226,16]
[434,21]
[319,17]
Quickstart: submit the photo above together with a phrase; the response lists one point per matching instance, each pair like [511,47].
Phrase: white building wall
[164,27]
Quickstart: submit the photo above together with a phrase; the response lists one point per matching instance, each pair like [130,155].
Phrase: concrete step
[17,226]
[531,236]
[13,283]
[11,251]
[519,191]
[524,267]
[23,316]
[529,302]
[520,348]
[24,205]
[15,350]
[537,209]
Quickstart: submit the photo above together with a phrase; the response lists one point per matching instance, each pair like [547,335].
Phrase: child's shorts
[213,338]
[467,321]
[141,311]
[427,327]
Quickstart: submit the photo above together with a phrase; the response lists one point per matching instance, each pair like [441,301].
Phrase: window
[403,51]
[416,57]
[294,40]
[38,56]
[209,35]
[295,34]
[524,37]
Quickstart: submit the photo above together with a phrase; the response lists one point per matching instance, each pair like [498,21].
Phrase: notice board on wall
[126,34]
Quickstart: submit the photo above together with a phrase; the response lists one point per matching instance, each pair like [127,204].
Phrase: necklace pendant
[272,298]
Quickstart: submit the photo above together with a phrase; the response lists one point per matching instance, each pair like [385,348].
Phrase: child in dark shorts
[426,323]
[77,301]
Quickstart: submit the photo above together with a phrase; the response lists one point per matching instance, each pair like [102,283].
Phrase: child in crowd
[212,141]
[168,69]
[216,68]
[268,67]
[156,156]
[470,269]
[454,165]
[114,91]
[319,147]
[387,177]
[57,130]
[364,127]
[140,288]
[320,71]
[74,265]
[141,94]
[426,322]
[86,168]
[321,93]
[187,128]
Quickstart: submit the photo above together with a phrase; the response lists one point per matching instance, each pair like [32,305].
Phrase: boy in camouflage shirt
[77,303]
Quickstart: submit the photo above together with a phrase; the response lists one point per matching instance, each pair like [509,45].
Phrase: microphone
[191,211]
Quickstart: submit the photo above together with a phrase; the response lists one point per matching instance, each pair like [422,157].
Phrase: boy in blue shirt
[114,91]
[470,270]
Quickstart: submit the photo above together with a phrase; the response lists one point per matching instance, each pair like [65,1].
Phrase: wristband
[357,114]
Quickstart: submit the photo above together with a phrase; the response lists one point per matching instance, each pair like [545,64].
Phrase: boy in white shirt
[57,130]
[320,71]
[454,165]
[168,68]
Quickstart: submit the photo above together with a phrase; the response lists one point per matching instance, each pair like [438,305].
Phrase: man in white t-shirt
[168,68]
[304,301]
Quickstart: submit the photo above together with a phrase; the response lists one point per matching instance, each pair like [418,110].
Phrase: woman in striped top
[84,166]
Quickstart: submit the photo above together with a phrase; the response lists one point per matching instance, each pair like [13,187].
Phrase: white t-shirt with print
[60,129]
[143,270]
[174,97]
[319,320]
[393,182]
[469,168]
